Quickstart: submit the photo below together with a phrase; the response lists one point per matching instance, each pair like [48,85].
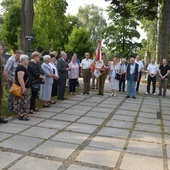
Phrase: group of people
[47,79]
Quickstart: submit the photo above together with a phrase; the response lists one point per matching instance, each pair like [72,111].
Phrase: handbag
[117,76]
[35,87]
[16,90]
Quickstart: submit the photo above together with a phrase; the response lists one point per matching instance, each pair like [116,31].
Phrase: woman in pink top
[73,74]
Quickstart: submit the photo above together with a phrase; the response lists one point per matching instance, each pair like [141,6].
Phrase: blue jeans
[131,86]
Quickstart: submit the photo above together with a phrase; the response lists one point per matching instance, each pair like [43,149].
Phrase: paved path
[89,133]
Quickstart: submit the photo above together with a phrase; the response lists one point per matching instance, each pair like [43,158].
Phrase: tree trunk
[165,31]
[27,16]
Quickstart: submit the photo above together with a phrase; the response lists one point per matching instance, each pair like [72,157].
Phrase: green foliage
[49,21]
[120,33]
[79,42]
[11,24]
[91,17]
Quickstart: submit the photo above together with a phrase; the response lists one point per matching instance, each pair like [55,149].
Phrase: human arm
[7,68]
[20,76]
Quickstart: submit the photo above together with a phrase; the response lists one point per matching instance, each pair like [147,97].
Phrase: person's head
[164,61]
[24,59]
[1,50]
[87,55]
[115,60]
[18,54]
[74,58]
[137,58]
[36,56]
[123,60]
[52,57]
[75,55]
[63,55]
[54,53]
[132,60]
[153,61]
[47,58]
[103,56]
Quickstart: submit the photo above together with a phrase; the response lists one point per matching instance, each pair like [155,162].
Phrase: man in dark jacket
[1,86]
[63,69]
[132,75]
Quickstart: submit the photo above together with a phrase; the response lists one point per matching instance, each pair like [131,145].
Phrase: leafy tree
[11,24]
[120,33]
[49,23]
[91,17]
[79,42]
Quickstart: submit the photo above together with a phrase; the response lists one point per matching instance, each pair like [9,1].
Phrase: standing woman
[46,88]
[73,74]
[36,78]
[114,68]
[22,104]
[55,80]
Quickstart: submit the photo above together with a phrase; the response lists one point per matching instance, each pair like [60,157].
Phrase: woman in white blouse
[114,68]
[55,81]
[73,74]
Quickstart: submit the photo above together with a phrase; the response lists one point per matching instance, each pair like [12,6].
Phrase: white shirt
[153,68]
[86,64]
[123,68]
[52,65]
[140,64]
[132,68]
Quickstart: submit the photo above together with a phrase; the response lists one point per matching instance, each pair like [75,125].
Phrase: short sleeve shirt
[26,75]
[86,64]
[11,66]
[164,69]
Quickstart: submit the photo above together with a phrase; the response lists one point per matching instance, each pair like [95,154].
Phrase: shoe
[31,112]
[154,94]
[111,95]
[60,99]
[115,95]
[52,102]
[65,98]
[46,106]
[119,91]
[127,96]
[88,93]
[3,121]
[164,95]
[24,118]
[133,97]
[159,94]
[36,110]
[84,93]
[147,93]
[100,94]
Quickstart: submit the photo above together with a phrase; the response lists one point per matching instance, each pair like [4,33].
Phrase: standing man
[132,75]
[86,72]
[102,78]
[163,77]
[123,68]
[9,73]
[152,71]
[141,66]
[1,84]
[63,75]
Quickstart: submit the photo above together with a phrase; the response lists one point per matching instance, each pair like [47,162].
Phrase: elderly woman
[55,81]
[36,77]
[73,74]
[114,69]
[46,88]
[22,104]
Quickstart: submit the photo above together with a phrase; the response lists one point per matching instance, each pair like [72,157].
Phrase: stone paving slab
[22,143]
[138,162]
[44,114]
[77,167]
[66,117]
[145,148]
[6,158]
[99,156]
[126,112]
[148,127]
[4,136]
[97,114]
[56,149]
[124,118]
[75,112]
[70,137]
[90,120]
[28,163]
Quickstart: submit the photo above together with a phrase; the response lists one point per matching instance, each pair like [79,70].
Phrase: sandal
[52,102]
[24,118]
[31,112]
[36,110]
[46,106]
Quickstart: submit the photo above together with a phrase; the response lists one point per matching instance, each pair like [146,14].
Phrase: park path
[90,132]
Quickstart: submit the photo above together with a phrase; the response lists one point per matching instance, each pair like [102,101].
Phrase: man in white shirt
[86,72]
[152,71]
[141,66]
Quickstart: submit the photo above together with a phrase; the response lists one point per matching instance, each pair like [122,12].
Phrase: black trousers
[122,83]
[153,80]
[138,82]
[61,88]
[34,95]
[73,84]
